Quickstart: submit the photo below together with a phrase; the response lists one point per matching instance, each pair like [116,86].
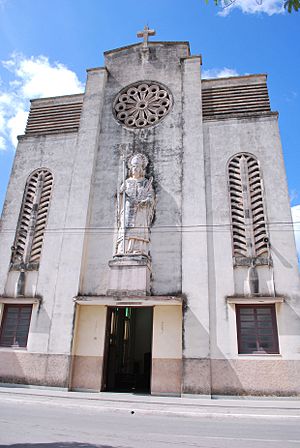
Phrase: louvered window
[249,232]
[32,221]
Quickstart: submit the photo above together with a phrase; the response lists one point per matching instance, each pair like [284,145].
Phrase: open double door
[128,347]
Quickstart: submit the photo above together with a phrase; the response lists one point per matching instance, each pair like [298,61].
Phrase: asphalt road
[43,422]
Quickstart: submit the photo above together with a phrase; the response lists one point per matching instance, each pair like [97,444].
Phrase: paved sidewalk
[240,407]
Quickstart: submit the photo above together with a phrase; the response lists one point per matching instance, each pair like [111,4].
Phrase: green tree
[290,5]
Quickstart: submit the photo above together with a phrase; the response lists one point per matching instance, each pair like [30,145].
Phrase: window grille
[15,325]
[32,221]
[249,232]
[256,329]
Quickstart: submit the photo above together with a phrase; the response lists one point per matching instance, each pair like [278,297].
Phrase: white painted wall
[90,331]
[70,157]
[167,332]
[222,140]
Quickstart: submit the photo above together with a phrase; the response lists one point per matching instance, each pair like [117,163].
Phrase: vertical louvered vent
[32,222]
[247,208]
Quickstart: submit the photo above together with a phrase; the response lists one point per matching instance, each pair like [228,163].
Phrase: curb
[143,405]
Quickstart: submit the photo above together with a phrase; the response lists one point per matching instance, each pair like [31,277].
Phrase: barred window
[28,242]
[249,232]
[256,329]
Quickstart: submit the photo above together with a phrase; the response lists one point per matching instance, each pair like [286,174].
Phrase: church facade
[146,237]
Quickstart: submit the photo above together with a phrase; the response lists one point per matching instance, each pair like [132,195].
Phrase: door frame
[110,308]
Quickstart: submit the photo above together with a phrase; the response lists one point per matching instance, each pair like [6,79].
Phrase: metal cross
[145,35]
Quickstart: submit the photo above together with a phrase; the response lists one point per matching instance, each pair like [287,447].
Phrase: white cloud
[37,77]
[296,219]
[268,7]
[16,125]
[219,73]
[2,144]
[34,77]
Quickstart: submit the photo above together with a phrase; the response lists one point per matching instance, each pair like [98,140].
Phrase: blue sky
[46,47]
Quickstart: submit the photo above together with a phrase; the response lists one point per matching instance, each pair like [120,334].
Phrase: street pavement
[40,418]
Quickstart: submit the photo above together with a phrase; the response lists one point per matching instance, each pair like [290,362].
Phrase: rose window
[142,104]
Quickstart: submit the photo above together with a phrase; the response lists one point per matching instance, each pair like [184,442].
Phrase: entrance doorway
[128,349]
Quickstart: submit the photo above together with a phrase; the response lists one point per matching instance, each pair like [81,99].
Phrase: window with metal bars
[256,329]
[27,248]
[15,325]
[249,231]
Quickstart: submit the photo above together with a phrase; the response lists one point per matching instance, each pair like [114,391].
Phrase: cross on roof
[145,35]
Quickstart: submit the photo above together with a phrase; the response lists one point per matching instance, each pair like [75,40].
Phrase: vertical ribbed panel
[24,220]
[257,208]
[237,209]
[46,180]
[33,218]
[247,208]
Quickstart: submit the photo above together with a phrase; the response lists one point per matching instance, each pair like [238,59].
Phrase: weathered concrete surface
[166,373]
[70,157]
[129,276]
[20,367]
[276,377]
[86,373]
[166,376]
[194,230]
[196,376]
[191,247]
[250,374]
[88,348]
[163,146]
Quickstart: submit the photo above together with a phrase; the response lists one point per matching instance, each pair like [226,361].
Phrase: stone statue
[137,198]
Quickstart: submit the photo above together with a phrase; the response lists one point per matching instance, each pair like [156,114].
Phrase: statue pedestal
[129,275]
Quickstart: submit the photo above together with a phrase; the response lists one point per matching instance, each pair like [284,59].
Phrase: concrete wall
[50,152]
[163,146]
[191,246]
[175,150]
[166,376]
[70,157]
[88,348]
[233,373]
[196,373]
